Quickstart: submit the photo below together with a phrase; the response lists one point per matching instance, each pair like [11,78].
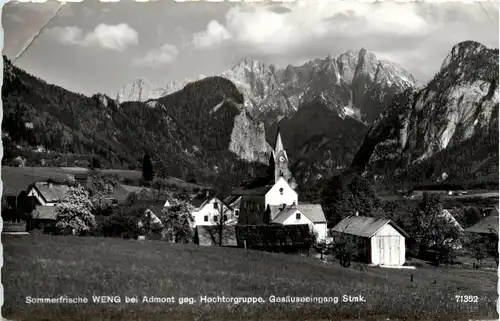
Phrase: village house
[380,241]
[44,196]
[277,202]
[208,209]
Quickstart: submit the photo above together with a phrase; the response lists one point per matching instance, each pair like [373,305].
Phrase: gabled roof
[450,219]
[314,212]
[51,192]
[199,200]
[364,226]
[44,213]
[283,215]
[274,211]
[488,225]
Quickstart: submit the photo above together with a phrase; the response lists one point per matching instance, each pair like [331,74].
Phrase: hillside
[192,135]
[75,267]
[17,179]
[450,126]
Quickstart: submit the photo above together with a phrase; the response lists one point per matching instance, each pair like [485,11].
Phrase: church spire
[278,145]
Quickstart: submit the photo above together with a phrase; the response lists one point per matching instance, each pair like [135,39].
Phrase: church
[277,202]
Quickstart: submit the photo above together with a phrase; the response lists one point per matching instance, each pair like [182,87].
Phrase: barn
[380,241]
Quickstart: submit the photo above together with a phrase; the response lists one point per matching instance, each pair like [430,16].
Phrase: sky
[98,47]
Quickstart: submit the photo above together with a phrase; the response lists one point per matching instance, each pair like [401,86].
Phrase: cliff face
[248,140]
[458,105]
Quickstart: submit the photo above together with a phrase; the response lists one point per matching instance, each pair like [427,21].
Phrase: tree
[479,249]
[347,194]
[431,230]
[147,168]
[161,187]
[95,162]
[472,215]
[75,211]
[224,216]
[100,186]
[125,221]
[344,247]
[177,221]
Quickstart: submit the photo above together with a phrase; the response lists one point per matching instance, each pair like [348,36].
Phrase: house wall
[388,247]
[322,231]
[34,193]
[319,228]
[209,210]
[291,220]
[252,210]
[274,197]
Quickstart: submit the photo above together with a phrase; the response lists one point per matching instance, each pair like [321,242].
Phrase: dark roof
[364,226]
[51,192]
[44,213]
[231,199]
[488,225]
[200,199]
[209,236]
[122,191]
[257,191]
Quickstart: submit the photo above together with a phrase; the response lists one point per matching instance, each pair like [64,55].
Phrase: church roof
[257,191]
[278,144]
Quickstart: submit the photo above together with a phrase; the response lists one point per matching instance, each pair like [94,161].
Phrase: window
[205,218]
[237,212]
[225,218]
[216,218]
[216,205]
[297,216]
[281,191]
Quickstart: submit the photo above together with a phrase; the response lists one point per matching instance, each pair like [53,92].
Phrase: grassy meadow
[16,179]
[51,266]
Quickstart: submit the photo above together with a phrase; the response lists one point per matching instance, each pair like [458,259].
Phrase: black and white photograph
[250,160]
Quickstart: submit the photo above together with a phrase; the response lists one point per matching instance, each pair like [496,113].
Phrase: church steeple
[280,159]
[278,146]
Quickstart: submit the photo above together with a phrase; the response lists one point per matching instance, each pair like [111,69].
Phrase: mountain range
[353,110]
[324,106]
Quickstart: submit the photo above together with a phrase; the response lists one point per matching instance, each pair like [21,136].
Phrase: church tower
[281,161]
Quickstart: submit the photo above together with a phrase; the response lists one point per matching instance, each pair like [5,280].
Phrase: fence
[14,226]
[275,238]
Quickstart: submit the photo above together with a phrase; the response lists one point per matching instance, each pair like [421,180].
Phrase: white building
[382,241]
[208,209]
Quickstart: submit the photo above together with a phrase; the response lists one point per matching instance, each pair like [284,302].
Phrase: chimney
[283,206]
[207,193]
[357,213]
[50,184]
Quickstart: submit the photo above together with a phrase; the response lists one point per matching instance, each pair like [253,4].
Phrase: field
[45,266]
[16,179]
